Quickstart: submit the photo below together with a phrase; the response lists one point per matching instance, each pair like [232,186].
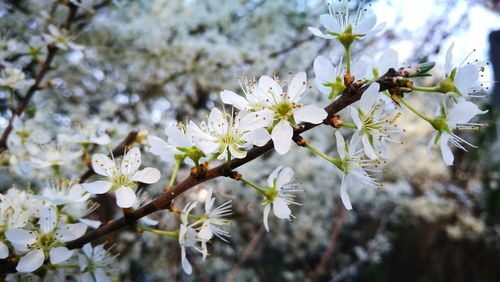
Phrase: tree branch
[52,50]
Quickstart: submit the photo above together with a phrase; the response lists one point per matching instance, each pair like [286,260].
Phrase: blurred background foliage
[148,63]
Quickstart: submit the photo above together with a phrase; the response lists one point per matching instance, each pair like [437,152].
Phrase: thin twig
[52,51]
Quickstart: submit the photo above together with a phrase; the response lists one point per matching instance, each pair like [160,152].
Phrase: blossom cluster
[269,111]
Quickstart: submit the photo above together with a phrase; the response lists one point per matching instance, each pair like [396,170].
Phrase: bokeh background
[148,63]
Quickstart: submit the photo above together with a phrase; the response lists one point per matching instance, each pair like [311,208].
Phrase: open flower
[456,118]
[13,78]
[47,239]
[340,21]
[374,123]
[188,238]
[28,135]
[61,39]
[179,143]
[95,264]
[121,179]
[214,219]
[279,195]
[223,134]
[353,167]
[463,80]
[329,78]
[282,111]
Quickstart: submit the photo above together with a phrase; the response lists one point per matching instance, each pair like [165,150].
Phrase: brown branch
[349,96]
[52,50]
[117,151]
[332,244]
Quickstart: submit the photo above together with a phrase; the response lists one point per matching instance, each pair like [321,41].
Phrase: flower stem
[228,164]
[348,59]
[348,125]
[334,161]
[253,185]
[426,118]
[425,89]
[178,162]
[174,234]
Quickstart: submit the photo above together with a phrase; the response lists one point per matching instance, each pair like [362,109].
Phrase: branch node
[301,141]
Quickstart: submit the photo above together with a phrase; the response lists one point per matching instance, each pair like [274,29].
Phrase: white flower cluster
[35,228]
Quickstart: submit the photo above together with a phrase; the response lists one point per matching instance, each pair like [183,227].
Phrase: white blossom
[214,219]
[279,195]
[47,239]
[94,263]
[121,179]
[457,118]
[14,79]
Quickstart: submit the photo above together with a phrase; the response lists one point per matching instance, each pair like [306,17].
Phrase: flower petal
[256,120]
[59,255]
[281,209]
[318,33]
[448,62]
[147,175]
[297,86]
[340,144]
[177,137]
[368,147]
[445,150]
[282,137]
[369,97]
[330,23]
[31,261]
[131,162]
[4,250]
[186,266]
[285,176]
[125,197]
[103,165]
[231,98]
[48,219]
[343,194]
[267,209]
[97,187]
[160,148]
[366,24]
[270,86]
[20,237]
[323,69]
[310,113]
[69,232]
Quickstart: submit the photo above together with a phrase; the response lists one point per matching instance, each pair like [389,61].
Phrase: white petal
[217,121]
[186,266]
[147,175]
[236,152]
[48,219]
[285,176]
[4,250]
[125,197]
[91,223]
[343,194]
[462,112]
[267,209]
[209,201]
[259,137]
[273,176]
[69,232]
[101,276]
[256,120]
[177,137]
[97,187]
[310,113]
[131,162]
[268,84]
[148,221]
[330,23]
[281,209]
[231,98]
[366,24]
[389,59]
[448,62]
[324,70]
[161,148]
[31,261]
[368,147]
[59,255]
[353,143]
[101,140]
[103,165]
[318,33]
[20,237]
[297,86]
[340,144]
[369,97]
[355,117]
[282,137]
[205,232]
[445,150]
